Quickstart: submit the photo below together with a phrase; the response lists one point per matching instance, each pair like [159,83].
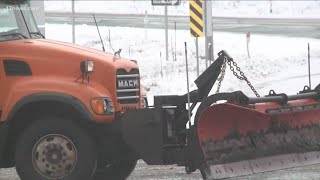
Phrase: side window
[7,19]
[16,68]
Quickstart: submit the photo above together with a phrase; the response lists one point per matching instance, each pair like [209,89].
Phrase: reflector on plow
[263,135]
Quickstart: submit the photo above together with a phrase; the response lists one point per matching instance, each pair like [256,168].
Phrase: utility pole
[166,31]
[208,31]
[73,24]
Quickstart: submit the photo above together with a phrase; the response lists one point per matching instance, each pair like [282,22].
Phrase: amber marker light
[102,106]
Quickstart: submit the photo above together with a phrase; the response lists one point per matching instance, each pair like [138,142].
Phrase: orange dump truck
[60,103]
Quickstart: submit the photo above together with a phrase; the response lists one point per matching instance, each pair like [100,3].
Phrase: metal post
[166,29]
[205,31]
[146,24]
[208,31]
[175,40]
[109,38]
[73,24]
[210,53]
[161,64]
[197,54]
[309,68]
[188,89]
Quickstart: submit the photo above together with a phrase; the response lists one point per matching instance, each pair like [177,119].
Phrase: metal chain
[234,68]
[242,77]
[223,72]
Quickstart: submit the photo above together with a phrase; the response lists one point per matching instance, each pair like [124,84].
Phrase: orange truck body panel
[55,68]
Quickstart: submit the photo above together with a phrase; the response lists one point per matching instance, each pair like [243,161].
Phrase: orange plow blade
[239,140]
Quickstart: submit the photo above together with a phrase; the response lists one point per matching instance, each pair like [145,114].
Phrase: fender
[58,89]
[57,97]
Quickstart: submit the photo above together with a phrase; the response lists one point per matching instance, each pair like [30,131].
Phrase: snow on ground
[274,59]
[266,51]
[234,8]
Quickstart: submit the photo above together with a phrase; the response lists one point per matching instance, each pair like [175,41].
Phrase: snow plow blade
[264,134]
[240,137]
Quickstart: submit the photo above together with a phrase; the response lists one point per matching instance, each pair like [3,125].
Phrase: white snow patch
[276,62]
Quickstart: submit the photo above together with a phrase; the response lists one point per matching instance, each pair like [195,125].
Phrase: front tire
[54,148]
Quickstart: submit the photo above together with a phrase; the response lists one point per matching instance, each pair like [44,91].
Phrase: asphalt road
[300,27]
[144,172]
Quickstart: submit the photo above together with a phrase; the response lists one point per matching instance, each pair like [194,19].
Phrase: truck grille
[128,86]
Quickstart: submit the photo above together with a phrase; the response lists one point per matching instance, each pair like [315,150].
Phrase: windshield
[17,22]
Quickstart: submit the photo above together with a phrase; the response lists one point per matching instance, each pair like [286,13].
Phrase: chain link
[234,68]
[223,72]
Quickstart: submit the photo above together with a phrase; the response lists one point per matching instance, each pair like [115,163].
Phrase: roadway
[144,172]
[299,27]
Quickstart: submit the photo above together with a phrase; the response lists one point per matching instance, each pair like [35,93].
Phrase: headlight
[86,66]
[102,106]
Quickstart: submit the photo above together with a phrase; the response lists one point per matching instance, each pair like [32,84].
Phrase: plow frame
[159,136]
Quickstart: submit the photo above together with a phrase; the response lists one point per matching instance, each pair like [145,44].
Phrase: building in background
[38,11]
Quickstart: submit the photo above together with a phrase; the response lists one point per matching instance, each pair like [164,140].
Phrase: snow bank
[276,62]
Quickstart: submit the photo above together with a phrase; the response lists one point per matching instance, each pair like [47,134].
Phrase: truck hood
[71,51]
[118,62]
[73,47]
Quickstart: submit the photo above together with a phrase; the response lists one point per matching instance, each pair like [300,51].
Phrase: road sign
[14,2]
[196,18]
[165,2]
[248,34]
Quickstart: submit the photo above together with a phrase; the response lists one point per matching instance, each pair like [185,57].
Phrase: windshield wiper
[14,34]
[38,33]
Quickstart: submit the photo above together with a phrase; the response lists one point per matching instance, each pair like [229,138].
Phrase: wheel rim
[54,156]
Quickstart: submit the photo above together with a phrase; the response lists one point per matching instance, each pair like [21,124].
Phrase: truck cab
[60,103]
[23,44]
